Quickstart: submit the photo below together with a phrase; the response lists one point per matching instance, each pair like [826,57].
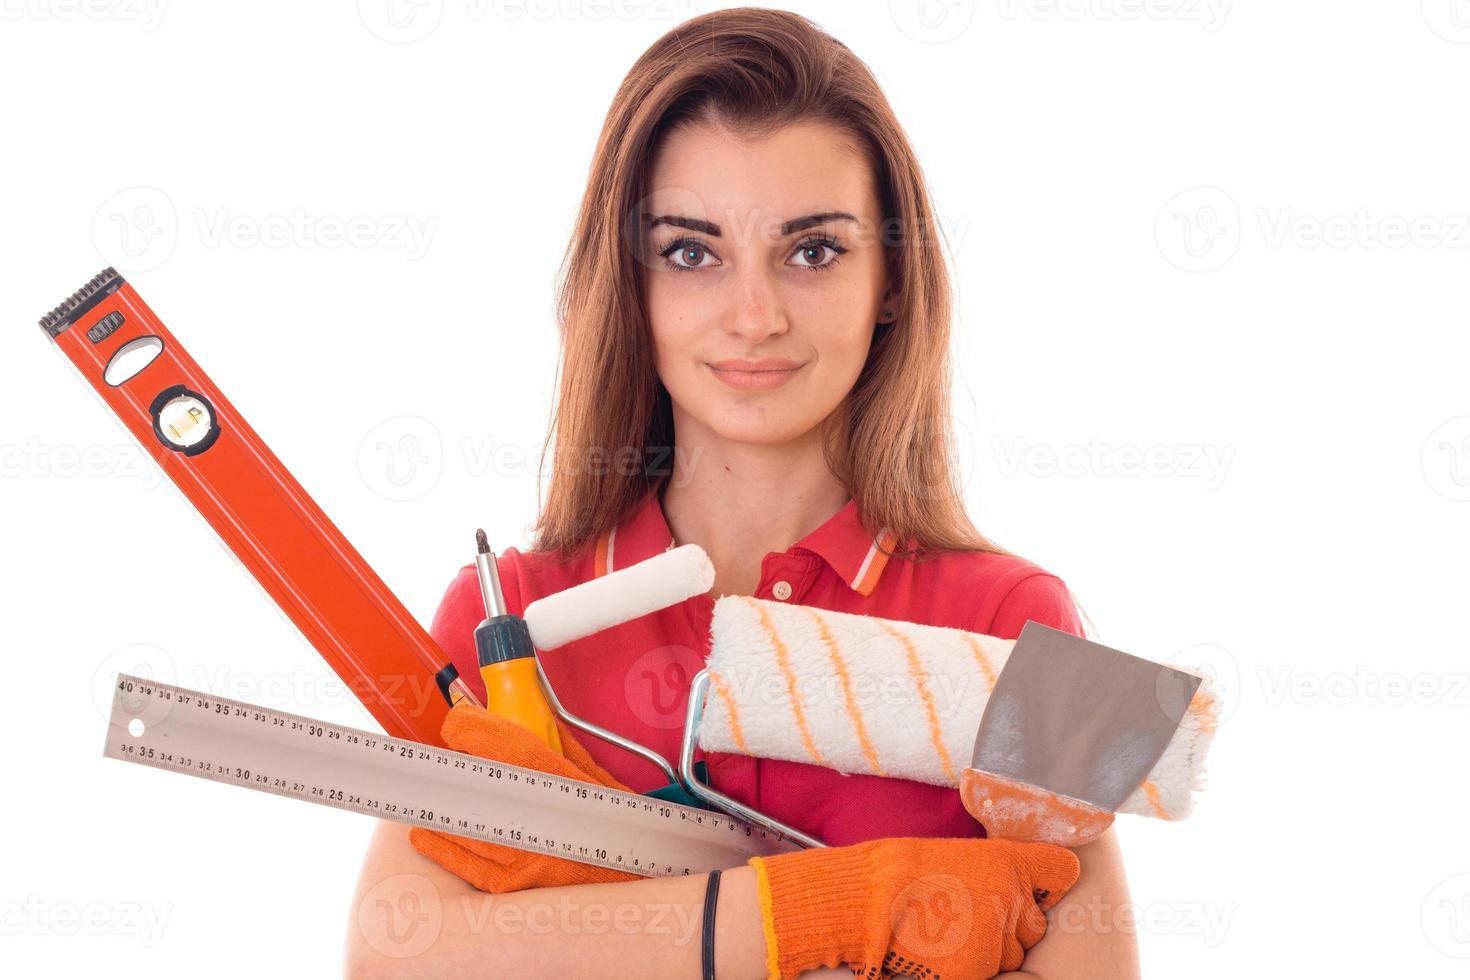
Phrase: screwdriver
[507,657]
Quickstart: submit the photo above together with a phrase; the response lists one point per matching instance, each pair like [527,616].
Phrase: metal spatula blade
[1071,729]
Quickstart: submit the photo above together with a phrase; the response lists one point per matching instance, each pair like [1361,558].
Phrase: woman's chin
[766,427]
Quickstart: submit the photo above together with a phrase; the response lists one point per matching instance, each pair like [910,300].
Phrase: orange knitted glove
[951,908]
[496,867]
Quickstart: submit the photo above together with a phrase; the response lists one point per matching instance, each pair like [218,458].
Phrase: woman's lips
[747,375]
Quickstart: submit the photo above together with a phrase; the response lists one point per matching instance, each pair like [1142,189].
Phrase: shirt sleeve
[1041,597]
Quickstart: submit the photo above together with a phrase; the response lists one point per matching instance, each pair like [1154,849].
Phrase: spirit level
[233,742]
[259,510]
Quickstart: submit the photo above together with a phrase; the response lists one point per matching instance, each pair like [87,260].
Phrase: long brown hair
[612,427]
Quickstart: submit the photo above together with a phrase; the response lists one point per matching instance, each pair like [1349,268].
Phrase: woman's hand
[496,867]
[923,907]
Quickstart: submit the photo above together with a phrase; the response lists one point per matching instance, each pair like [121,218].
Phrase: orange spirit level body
[259,510]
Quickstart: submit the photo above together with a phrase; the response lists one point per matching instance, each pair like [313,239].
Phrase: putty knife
[1070,731]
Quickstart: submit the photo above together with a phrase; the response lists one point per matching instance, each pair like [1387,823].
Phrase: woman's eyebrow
[710,228]
[800,224]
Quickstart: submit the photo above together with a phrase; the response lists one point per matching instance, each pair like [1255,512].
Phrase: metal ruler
[241,744]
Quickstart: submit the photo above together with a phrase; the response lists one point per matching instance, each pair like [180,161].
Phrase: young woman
[755,323]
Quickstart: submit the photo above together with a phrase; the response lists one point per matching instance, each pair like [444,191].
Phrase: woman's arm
[1090,933]
[410,917]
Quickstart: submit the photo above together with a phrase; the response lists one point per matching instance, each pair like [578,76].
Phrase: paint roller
[860,694]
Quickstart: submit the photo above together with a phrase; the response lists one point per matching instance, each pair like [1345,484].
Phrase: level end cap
[100,286]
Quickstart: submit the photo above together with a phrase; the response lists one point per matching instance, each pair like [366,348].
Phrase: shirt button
[782,590]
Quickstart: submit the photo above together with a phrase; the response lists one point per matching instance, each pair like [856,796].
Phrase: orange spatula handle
[1021,812]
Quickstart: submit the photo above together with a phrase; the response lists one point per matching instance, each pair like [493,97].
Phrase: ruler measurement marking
[640,847]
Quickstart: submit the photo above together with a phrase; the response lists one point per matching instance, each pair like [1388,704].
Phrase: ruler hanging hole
[131,358]
[136,728]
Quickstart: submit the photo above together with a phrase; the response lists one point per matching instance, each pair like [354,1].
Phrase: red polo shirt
[634,678]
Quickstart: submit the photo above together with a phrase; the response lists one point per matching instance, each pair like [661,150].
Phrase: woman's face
[764,274]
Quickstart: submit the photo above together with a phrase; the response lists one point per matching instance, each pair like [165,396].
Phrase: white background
[1231,240]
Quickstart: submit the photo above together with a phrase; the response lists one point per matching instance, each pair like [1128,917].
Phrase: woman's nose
[757,311]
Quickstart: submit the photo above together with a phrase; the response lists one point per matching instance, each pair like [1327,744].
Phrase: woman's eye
[686,256]
[817,255]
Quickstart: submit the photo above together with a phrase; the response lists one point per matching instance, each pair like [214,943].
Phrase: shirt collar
[855,554]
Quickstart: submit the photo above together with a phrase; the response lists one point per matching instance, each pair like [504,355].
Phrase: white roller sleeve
[862,694]
[619,596]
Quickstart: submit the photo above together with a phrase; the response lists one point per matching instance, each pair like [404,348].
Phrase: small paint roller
[860,694]
[600,603]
